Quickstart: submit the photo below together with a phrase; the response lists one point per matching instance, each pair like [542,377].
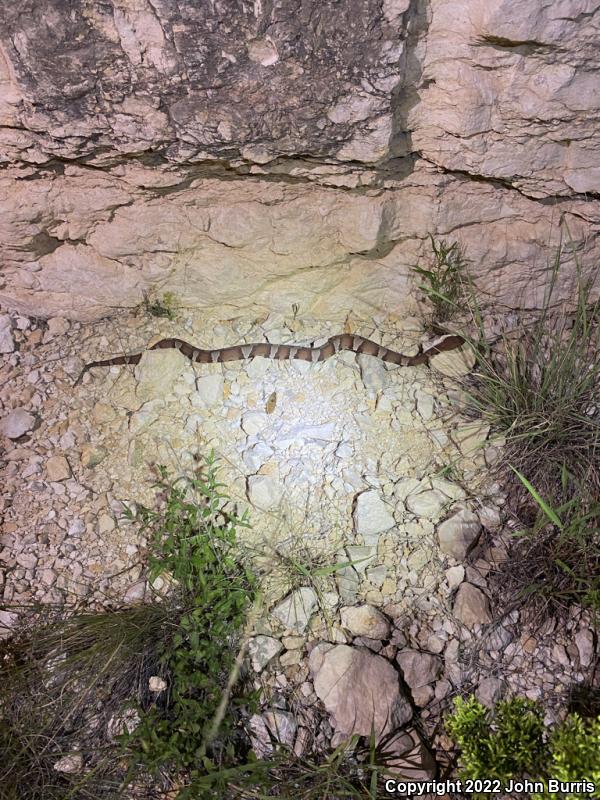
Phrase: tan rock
[359,689]
[471,606]
[58,469]
[365,621]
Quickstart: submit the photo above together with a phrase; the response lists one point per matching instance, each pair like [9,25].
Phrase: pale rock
[157,372]
[156,684]
[126,722]
[262,649]
[458,534]
[455,576]
[428,504]
[259,737]
[281,725]
[489,691]
[372,372]
[106,524]
[418,668]
[290,658]
[360,556]
[365,621]
[471,606]
[410,757]
[405,487]
[584,639]
[256,455]
[135,593]
[359,689]
[7,342]
[296,610]
[92,455]
[209,389]
[17,423]
[70,764]
[57,326]
[372,516]
[377,575]
[257,368]
[265,492]
[57,469]
[253,422]
[454,363]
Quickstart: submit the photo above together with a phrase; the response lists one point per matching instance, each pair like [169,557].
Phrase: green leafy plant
[512,742]
[163,306]
[193,552]
[443,282]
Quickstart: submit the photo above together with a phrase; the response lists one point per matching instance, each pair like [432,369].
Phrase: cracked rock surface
[227,152]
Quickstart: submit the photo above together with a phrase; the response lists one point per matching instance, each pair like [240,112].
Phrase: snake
[283,352]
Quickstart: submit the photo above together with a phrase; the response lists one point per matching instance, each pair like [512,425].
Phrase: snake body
[284,352]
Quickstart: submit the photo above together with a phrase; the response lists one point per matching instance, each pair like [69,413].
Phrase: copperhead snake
[284,352]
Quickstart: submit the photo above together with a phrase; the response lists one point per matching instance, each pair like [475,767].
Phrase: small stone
[126,722]
[372,516]
[471,606]
[454,363]
[57,326]
[7,342]
[290,658]
[136,592]
[427,504]
[209,389]
[92,456]
[422,695]
[293,642]
[458,534]
[157,372]
[361,556]
[296,610]
[254,457]
[365,621]
[584,639]
[156,684]
[106,524]
[264,492]
[489,691]
[58,469]
[261,650]
[419,669]
[103,413]
[17,423]
[253,422]
[71,764]
[281,725]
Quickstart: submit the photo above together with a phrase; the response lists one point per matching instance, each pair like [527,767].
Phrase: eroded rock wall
[292,151]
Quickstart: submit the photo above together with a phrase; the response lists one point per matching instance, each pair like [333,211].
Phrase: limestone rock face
[219,149]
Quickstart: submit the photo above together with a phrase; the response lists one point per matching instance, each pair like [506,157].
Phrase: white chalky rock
[253,422]
[17,423]
[254,457]
[262,649]
[308,433]
[455,576]
[296,610]
[454,363]
[458,534]
[371,515]
[359,689]
[365,621]
[372,372]
[427,504]
[157,371]
[257,367]
[7,343]
[156,684]
[209,389]
[264,491]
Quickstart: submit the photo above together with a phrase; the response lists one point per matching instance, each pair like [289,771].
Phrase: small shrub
[512,743]
[443,282]
[160,307]
[193,549]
